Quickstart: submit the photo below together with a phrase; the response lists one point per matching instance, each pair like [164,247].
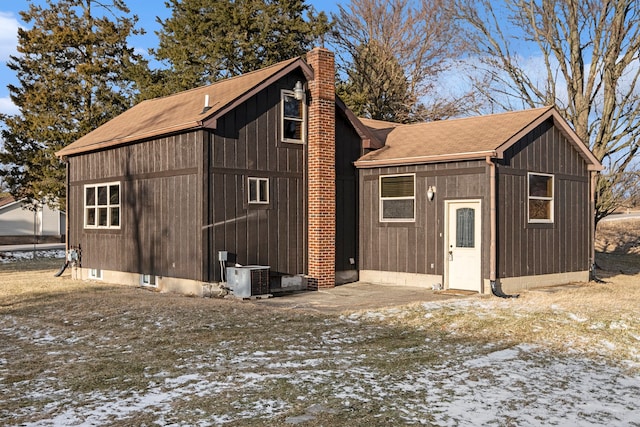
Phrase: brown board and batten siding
[247,143]
[161,205]
[414,247]
[527,249]
[348,150]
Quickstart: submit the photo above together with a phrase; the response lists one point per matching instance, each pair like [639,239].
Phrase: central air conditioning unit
[248,280]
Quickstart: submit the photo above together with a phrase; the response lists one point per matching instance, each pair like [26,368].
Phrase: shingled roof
[181,111]
[466,138]
[6,200]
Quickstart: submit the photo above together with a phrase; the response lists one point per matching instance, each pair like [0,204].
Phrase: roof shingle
[181,111]
[469,135]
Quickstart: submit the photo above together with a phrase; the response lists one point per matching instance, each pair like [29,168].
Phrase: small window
[259,190]
[540,197]
[293,118]
[95,273]
[397,198]
[102,205]
[148,280]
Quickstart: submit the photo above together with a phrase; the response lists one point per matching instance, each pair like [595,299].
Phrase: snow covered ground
[515,386]
[13,256]
[337,377]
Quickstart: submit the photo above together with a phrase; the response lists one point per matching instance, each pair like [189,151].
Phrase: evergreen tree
[376,86]
[72,69]
[207,40]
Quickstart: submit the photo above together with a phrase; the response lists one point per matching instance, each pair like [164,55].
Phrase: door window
[465,227]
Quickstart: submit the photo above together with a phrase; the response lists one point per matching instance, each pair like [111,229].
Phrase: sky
[147,10]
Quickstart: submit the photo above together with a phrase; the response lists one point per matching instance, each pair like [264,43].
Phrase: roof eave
[9,204]
[65,152]
[364,164]
[369,140]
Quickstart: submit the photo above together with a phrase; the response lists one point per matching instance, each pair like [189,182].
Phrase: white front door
[463,257]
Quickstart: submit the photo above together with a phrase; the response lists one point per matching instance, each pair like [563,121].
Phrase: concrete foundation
[510,285]
[400,279]
[163,284]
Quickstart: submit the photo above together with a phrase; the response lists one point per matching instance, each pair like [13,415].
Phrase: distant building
[19,225]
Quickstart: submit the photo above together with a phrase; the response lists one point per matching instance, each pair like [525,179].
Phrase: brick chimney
[321,171]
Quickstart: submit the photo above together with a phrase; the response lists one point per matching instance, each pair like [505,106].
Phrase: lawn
[82,353]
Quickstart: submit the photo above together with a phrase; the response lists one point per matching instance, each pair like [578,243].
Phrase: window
[465,228]
[95,273]
[259,190]
[397,198]
[293,118]
[102,205]
[148,280]
[540,197]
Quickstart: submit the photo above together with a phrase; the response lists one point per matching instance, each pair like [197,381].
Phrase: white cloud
[144,52]
[8,35]
[8,107]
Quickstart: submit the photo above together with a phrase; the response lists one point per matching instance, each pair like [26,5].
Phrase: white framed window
[102,205]
[397,198]
[540,197]
[293,118]
[95,273]
[258,190]
[148,280]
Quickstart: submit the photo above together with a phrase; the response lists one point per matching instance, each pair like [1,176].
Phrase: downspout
[495,289]
[66,207]
[207,269]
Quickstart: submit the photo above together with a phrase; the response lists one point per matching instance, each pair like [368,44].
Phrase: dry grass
[621,236]
[84,345]
[598,319]
[88,340]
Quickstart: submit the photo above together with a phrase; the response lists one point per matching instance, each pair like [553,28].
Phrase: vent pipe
[206,104]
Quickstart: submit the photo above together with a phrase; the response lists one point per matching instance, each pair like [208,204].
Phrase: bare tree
[391,53]
[582,56]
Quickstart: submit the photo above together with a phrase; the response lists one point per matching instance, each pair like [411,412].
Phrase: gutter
[495,288]
[155,133]
[362,164]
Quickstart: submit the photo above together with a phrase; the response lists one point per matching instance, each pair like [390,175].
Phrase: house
[500,201]
[271,169]
[259,166]
[20,224]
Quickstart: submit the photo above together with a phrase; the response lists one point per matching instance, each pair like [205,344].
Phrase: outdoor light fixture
[298,91]
[431,192]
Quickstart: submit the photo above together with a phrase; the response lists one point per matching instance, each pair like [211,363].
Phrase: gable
[544,149]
